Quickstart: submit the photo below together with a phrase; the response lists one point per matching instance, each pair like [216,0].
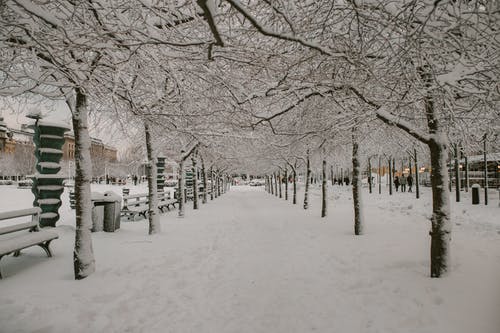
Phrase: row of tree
[249,84]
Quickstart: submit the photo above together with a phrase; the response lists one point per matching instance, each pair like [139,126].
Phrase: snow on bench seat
[15,242]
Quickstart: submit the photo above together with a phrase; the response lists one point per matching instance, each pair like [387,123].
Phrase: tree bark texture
[83,254]
[286,184]
[457,175]
[294,199]
[324,191]
[153,214]
[212,184]
[204,175]
[356,188]
[275,184]
[390,177]
[195,181]
[441,224]
[370,175]
[308,177]
[417,184]
[280,184]
[182,199]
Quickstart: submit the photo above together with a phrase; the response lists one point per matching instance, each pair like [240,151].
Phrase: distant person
[346,181]
[409,180]
[135,180]
[396,183]
[402,182]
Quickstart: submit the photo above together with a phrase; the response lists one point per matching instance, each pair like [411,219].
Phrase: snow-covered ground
[250,262]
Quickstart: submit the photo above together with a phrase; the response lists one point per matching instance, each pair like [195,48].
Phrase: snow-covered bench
[138,204]
[17,236]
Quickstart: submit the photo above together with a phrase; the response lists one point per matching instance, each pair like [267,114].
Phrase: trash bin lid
[476,185]
[112,196]
[96,196]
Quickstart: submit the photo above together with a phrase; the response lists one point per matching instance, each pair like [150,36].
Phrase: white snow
[251,262]
[50,150]
[49,165]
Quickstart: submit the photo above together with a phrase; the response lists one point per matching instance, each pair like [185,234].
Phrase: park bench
[138,204]
[189,193]
[17,236]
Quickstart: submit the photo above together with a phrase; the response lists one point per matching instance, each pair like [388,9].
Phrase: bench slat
[20,213]
[26,240]
[16,227]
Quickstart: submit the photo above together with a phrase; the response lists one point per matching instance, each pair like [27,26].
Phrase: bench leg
[45,246]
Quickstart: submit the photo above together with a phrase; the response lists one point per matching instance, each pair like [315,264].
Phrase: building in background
[17,152]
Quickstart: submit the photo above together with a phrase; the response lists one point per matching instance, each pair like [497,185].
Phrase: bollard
[475,194]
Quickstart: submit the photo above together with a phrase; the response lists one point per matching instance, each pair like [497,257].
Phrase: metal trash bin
[475,194]
[112,207]
[97,211]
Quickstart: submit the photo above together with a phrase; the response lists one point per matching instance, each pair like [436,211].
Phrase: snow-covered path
[250,262]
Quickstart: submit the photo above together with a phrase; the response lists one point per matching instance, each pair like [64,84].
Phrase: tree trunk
[441,224]
[195,182]
[222,184]
[204,175]
[466,166]
[390,177]
[83,254]
[308,177]
[331,175]
[323,191]
[356,188]
[212,184]
[182,194]
[271,184]
[153,214]
[294,186]
[457,176]
[275,184]
[280,184]
[218,185]
[286,184]
[369,175]
[417,185]
[379,177]
[485,173]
